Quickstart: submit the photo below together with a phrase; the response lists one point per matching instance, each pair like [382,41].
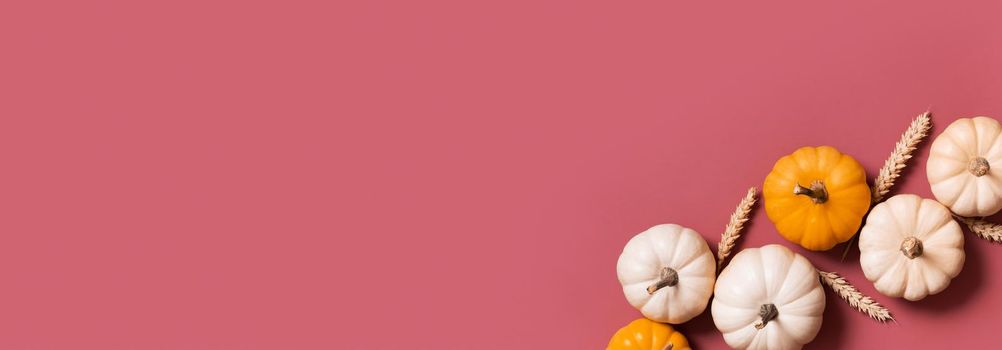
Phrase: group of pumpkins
[770,297]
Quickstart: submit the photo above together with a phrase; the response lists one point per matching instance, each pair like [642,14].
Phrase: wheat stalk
[733,230]
[916,132]
[855,298]
[984,229]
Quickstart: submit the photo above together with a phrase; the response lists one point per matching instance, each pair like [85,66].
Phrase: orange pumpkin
[646,334]
[816,197]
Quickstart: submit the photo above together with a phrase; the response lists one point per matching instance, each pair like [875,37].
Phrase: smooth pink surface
[441,174]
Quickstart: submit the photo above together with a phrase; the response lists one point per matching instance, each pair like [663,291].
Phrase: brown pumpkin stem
[911,247]
[669,278]
[817,191]
[979,166]
[670,346]
[767,312]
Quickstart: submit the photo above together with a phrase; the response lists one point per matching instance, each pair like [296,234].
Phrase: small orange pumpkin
[646,334]
[816,197]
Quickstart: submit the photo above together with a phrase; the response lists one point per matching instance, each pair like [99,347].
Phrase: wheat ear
[984,229]
[916,132]
[855,298]
[733,230]
[909,141]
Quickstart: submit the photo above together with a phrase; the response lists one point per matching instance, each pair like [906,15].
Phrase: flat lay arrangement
[771,297]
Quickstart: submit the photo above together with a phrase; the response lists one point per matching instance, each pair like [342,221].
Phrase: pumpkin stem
[669,278]
[767,312]
[911,247]
[817,191]
[978,166]
[669,346]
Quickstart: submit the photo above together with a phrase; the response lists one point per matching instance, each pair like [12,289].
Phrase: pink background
[443,173]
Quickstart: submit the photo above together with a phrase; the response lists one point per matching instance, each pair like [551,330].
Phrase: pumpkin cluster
[817,197]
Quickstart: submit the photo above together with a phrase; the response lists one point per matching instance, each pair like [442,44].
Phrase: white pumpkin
[768,298]
[965,167]
[911,247]
[667,273]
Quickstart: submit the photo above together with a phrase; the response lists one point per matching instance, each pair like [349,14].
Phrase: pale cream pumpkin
[965,167]
[667,272]
[911,247]
[768,298]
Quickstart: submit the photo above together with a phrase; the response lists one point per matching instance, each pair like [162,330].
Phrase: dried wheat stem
[916,132]
[857,300]
[984,229]
[733,230]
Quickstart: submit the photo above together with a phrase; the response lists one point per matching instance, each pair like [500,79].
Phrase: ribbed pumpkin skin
[770,275]
[644,334]
[798,218]
[675,247]
[892,272]
[948,167]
